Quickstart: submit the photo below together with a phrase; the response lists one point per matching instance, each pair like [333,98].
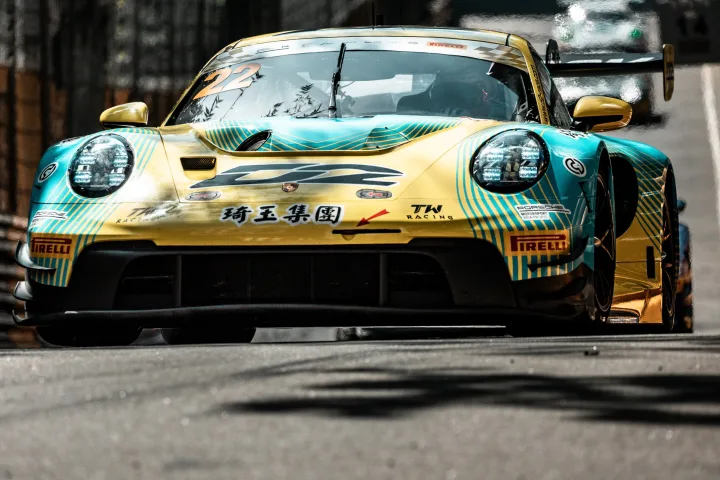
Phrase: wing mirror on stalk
[601,114]
[127,115]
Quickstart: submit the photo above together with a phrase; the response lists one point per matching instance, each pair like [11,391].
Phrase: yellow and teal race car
[358,177]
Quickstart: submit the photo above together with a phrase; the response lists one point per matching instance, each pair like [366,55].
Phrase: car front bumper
[446,281]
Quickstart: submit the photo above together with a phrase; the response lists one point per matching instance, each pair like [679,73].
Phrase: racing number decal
[242,81]
[213,88]
[223,74]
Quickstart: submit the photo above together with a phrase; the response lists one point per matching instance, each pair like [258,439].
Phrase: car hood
[313,158]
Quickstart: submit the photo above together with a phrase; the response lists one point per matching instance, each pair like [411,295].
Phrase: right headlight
[510,161]
[101,166]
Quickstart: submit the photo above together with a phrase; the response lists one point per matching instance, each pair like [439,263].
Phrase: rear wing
[605,64]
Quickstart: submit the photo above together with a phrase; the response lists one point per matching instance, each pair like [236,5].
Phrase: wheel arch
[626,191]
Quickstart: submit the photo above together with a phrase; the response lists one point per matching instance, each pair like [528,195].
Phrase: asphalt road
[493,408]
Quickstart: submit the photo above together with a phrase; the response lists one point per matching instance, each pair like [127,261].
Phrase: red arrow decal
[365,221]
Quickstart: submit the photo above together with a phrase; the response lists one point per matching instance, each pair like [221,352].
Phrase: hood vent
[254,142]
[198,163]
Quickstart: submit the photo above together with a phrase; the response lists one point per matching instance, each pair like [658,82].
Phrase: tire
[195,336]
[605,252]
[670,255]
[88,337]
[684,319]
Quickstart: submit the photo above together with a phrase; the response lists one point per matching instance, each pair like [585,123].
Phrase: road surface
[492,408]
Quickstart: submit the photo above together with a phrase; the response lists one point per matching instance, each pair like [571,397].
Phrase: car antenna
[372,15]
[332,104]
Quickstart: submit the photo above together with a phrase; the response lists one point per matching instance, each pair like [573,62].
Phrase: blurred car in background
[606,26]
[636,90]
[602,26]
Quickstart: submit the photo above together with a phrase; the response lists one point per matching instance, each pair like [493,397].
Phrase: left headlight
[101,166]
[510,161]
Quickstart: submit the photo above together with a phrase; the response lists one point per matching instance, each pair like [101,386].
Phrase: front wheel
[670,257]
[604,252]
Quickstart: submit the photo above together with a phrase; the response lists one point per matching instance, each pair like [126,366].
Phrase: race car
[600,26]
[356,177]
[607,27]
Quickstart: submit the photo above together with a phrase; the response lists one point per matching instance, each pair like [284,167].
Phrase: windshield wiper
[332,105]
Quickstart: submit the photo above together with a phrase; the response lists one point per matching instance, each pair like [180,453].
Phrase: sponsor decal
[366,221]
[303,173]
[289,187]
[537,243]
[540,212]
[203,196]
[51,247]
[48,215]
[47,172]
[149,214]
[428,212]
[447,45]
[575,166]
[368,193]
[572,133]
[297,214]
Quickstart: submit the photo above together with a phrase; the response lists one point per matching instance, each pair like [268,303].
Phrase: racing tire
[684,319]
[196,336]
[670,255]
[88,337]
[605,254]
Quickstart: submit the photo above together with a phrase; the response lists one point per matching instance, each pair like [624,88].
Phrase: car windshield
[374,82]
[609,17]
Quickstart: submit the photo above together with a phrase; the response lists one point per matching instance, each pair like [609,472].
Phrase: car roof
[489,36]
[605,6]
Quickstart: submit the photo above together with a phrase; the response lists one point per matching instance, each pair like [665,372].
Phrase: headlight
[511,161]
[630,92]
[101,166]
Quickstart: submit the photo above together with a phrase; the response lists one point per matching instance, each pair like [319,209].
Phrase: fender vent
[198,163]
[254,142]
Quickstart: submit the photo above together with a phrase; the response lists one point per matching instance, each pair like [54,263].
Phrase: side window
[559,115]
[560,111]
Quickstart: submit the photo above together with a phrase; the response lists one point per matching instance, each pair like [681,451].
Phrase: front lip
[287,315]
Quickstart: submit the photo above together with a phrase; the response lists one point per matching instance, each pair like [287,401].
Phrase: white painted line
[711,115]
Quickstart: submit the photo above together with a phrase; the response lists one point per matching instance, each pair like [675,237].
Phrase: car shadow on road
[388,393]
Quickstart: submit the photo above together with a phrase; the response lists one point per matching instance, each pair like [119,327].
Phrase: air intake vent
[198,163]
[254,142]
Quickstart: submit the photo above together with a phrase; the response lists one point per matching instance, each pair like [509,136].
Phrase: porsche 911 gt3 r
[393,176]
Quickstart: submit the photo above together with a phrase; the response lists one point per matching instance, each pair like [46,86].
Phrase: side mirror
[128,115]
[601,114]
[681,205]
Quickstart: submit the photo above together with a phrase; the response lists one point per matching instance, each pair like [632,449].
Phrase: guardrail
[12,229]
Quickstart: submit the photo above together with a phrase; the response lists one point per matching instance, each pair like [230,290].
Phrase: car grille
[408,280]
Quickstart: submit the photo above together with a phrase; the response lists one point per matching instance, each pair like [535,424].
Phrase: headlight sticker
[47,172]
[575,166]
[540,211]
[41,215]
